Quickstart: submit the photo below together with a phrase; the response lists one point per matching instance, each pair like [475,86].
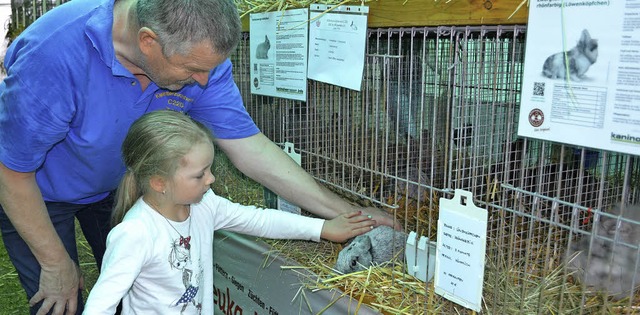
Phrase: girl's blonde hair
[154,145]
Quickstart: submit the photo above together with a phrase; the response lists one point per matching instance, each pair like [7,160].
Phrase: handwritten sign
[460,251]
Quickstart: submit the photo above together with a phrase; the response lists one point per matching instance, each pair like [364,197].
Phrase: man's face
[174,72]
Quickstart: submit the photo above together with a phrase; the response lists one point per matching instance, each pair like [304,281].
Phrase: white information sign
[278,44]
[581,81]
[460,251]
[337,44]
[284,204]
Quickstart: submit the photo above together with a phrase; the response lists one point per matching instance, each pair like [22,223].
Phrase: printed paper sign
[590,95]
[278,44]
[283,204]
[337,44]
[460,251]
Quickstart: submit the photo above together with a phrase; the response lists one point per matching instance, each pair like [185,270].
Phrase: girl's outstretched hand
[347,226]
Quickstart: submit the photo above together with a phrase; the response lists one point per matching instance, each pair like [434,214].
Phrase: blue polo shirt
[67,103]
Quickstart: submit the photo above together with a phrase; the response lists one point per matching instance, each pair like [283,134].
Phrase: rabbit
[263,49]
[463,136]
[413,191]
[375,247]
[611,267]
[404,111]
[580,58]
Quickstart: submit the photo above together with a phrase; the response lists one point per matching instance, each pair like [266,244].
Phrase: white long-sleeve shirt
[147,263]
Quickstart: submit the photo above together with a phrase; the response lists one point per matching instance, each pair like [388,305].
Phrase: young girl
[159,258]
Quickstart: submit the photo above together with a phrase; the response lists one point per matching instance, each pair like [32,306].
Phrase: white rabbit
[580,58]
[263,49]
[611,266]
[377,246]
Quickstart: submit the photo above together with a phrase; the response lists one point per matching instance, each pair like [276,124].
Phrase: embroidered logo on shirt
[174,100]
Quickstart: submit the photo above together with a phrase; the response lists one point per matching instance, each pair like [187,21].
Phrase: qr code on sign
[538,88]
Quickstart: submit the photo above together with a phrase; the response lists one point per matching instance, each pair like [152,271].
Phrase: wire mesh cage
[438,111]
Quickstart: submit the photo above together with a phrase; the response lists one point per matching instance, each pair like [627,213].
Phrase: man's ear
[147,40]
[158,184]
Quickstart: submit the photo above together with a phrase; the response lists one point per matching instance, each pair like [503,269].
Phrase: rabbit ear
[585,36]
[608,225]
[364,242]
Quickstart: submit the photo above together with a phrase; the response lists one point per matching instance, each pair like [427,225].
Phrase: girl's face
[193,176]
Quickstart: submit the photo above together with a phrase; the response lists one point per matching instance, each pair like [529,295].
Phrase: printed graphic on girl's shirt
[180,259]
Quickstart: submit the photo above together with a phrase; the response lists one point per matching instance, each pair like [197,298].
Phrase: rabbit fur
[263,49]
[580,58]
[375,247]
[611,267]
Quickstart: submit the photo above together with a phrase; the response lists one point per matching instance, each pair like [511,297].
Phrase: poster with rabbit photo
[278,44]
[581,82]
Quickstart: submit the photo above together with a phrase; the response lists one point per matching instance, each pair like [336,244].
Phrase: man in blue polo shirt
[77,78]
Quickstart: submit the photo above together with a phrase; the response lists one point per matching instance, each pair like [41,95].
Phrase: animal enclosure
[438,111]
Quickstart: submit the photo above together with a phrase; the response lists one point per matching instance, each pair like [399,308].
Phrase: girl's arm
[127,246]
[277,224]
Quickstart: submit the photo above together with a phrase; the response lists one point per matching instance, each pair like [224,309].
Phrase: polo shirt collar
[99,32]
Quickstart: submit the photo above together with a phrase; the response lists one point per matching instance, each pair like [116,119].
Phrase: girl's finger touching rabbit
[347,226]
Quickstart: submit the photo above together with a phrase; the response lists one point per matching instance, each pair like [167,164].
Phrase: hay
[387,289]
[521,281]
[233,184]
[384,288]
[522,3]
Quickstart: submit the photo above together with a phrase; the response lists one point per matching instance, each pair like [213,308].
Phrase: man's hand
[382,218]
[347,226]
[60,277]
[59,287]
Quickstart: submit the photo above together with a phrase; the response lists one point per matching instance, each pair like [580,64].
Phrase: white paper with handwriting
[460,250]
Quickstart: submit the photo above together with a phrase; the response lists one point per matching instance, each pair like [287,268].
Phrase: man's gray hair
[180,24]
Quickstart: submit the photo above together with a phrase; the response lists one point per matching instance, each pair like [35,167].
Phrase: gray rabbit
[263,49]
[580,58]
[377,246]
[404,111]
[611,267]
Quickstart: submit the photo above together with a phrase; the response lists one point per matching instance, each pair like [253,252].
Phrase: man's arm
[60,278]
[262,160]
